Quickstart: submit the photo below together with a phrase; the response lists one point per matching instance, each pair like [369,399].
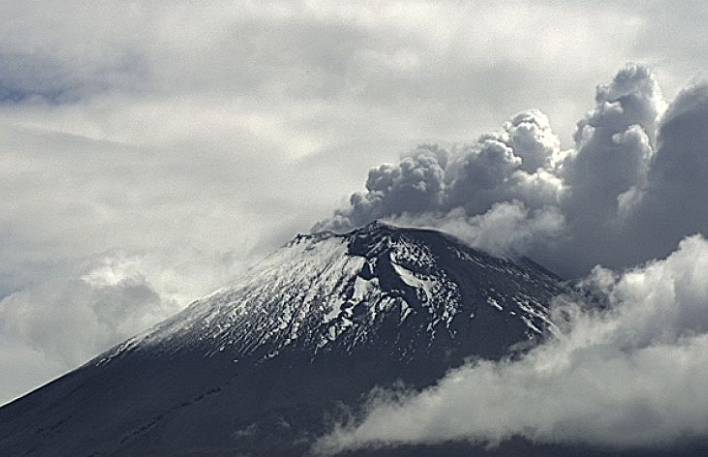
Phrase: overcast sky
[151,151]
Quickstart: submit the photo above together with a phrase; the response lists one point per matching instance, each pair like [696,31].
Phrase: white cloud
[507,229]
[631,375]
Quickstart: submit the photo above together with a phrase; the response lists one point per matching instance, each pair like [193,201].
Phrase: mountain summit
[263,365]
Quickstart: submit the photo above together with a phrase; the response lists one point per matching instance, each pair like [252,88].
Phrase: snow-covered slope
[325,290]
[261,364]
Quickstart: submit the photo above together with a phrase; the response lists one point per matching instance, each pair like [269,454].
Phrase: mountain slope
[262,366]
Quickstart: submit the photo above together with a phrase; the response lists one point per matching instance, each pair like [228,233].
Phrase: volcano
[267,364]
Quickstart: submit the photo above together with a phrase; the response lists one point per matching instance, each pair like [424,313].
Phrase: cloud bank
[631,374]
[630,188]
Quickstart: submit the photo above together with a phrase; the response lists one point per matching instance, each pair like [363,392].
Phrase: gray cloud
[470,177]
[672,203]
[614,144]
[627,192]
[631,375]
[614,147]
[70,319]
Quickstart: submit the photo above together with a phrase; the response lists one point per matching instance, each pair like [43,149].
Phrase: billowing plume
[513,164]
[616,198]
[673,201]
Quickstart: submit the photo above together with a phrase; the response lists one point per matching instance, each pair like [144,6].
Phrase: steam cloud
[630,189]
[631,373]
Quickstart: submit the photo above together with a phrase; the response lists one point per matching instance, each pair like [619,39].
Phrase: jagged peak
[376,227]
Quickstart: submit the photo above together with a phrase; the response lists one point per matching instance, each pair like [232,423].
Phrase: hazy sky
[150,151]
